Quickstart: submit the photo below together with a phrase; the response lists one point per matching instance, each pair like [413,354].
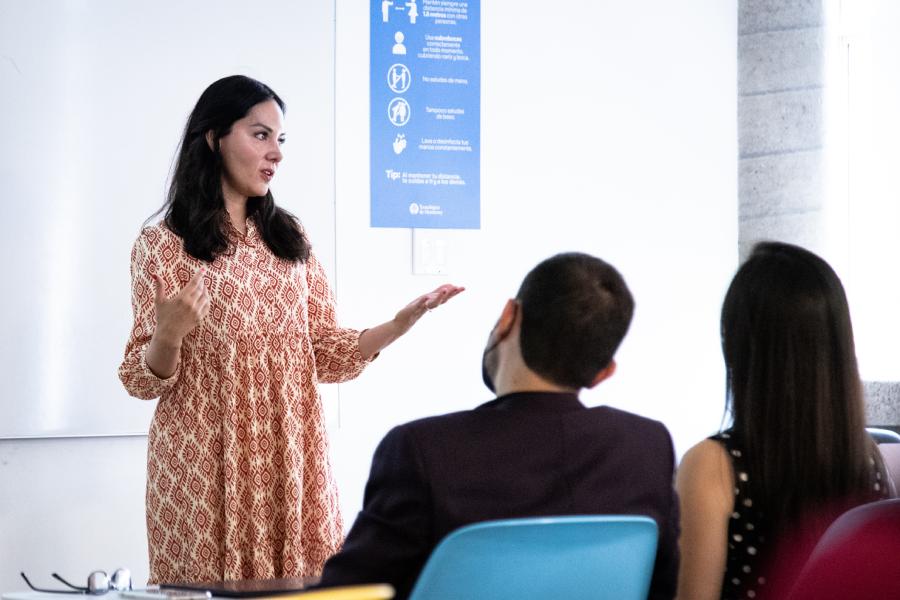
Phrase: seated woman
[755,497]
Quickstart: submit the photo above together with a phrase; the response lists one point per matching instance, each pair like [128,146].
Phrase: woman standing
[755,497]
[234,328]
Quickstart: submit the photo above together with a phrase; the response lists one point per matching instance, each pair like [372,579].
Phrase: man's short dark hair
[575,311]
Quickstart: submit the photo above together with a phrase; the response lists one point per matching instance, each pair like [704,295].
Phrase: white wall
[95,97]
[872,126]
[607,128]
[71,506]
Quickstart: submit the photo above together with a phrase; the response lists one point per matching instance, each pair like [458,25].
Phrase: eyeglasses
[98,582]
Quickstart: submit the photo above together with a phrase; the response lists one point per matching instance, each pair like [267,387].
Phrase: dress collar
[248,237]
[252,233]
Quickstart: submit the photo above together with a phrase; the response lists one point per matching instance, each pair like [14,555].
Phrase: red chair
[858,557]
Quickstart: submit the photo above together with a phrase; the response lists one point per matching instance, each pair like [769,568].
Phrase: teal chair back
[579,557]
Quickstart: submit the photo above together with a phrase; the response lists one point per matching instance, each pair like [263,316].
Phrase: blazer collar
[535,401]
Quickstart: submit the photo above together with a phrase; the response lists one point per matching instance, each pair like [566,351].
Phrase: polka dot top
[746,536]
[743,577]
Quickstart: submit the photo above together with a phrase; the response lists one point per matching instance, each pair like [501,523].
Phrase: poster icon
[398,112]
[398,78]
[398,48]
[399,143]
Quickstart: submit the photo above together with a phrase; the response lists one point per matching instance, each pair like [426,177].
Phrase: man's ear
[605,373]
[211,140]
[507,318]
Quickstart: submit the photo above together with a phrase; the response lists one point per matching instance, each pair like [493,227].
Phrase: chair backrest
[890,453]
[883,436]
[573,557]
[857,557]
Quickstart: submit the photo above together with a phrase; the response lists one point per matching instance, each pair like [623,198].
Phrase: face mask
[485,374]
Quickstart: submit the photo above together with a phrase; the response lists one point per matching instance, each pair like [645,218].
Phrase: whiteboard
[95,94]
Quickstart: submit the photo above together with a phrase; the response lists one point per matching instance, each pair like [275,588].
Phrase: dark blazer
[521,455]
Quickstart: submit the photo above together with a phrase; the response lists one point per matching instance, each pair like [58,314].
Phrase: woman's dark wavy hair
[793,385]
[195,206]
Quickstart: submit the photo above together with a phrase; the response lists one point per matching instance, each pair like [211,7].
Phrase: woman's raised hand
[374,340]
[178,315]
[413,311]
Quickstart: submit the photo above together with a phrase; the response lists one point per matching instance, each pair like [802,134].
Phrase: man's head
[570,315]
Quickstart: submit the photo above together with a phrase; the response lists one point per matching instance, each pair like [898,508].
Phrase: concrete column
[781,122]
[883,404]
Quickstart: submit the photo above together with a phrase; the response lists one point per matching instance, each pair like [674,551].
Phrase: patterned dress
[239,483]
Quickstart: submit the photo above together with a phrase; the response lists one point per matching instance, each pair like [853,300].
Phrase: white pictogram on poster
[398,48]
[398,112]
[398,78]
[399,143]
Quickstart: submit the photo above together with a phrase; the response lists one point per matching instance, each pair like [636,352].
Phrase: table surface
[257,586]
[47,596]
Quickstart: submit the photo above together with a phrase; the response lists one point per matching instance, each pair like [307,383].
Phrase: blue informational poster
[425,113]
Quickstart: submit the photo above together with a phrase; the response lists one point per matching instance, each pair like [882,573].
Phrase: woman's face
[251,152]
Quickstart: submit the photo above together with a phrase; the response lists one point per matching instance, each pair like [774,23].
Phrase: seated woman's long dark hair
[195,206]
[794,388]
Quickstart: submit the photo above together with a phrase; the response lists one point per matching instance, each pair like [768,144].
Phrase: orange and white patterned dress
[239,481]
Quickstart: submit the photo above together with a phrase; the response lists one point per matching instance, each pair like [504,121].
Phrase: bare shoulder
[705,470]
[706,455]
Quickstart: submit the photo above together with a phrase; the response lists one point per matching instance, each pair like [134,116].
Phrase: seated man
[533,451]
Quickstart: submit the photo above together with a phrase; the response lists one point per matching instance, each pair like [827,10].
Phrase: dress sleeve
[336,349]
[136,376]
[392,537]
